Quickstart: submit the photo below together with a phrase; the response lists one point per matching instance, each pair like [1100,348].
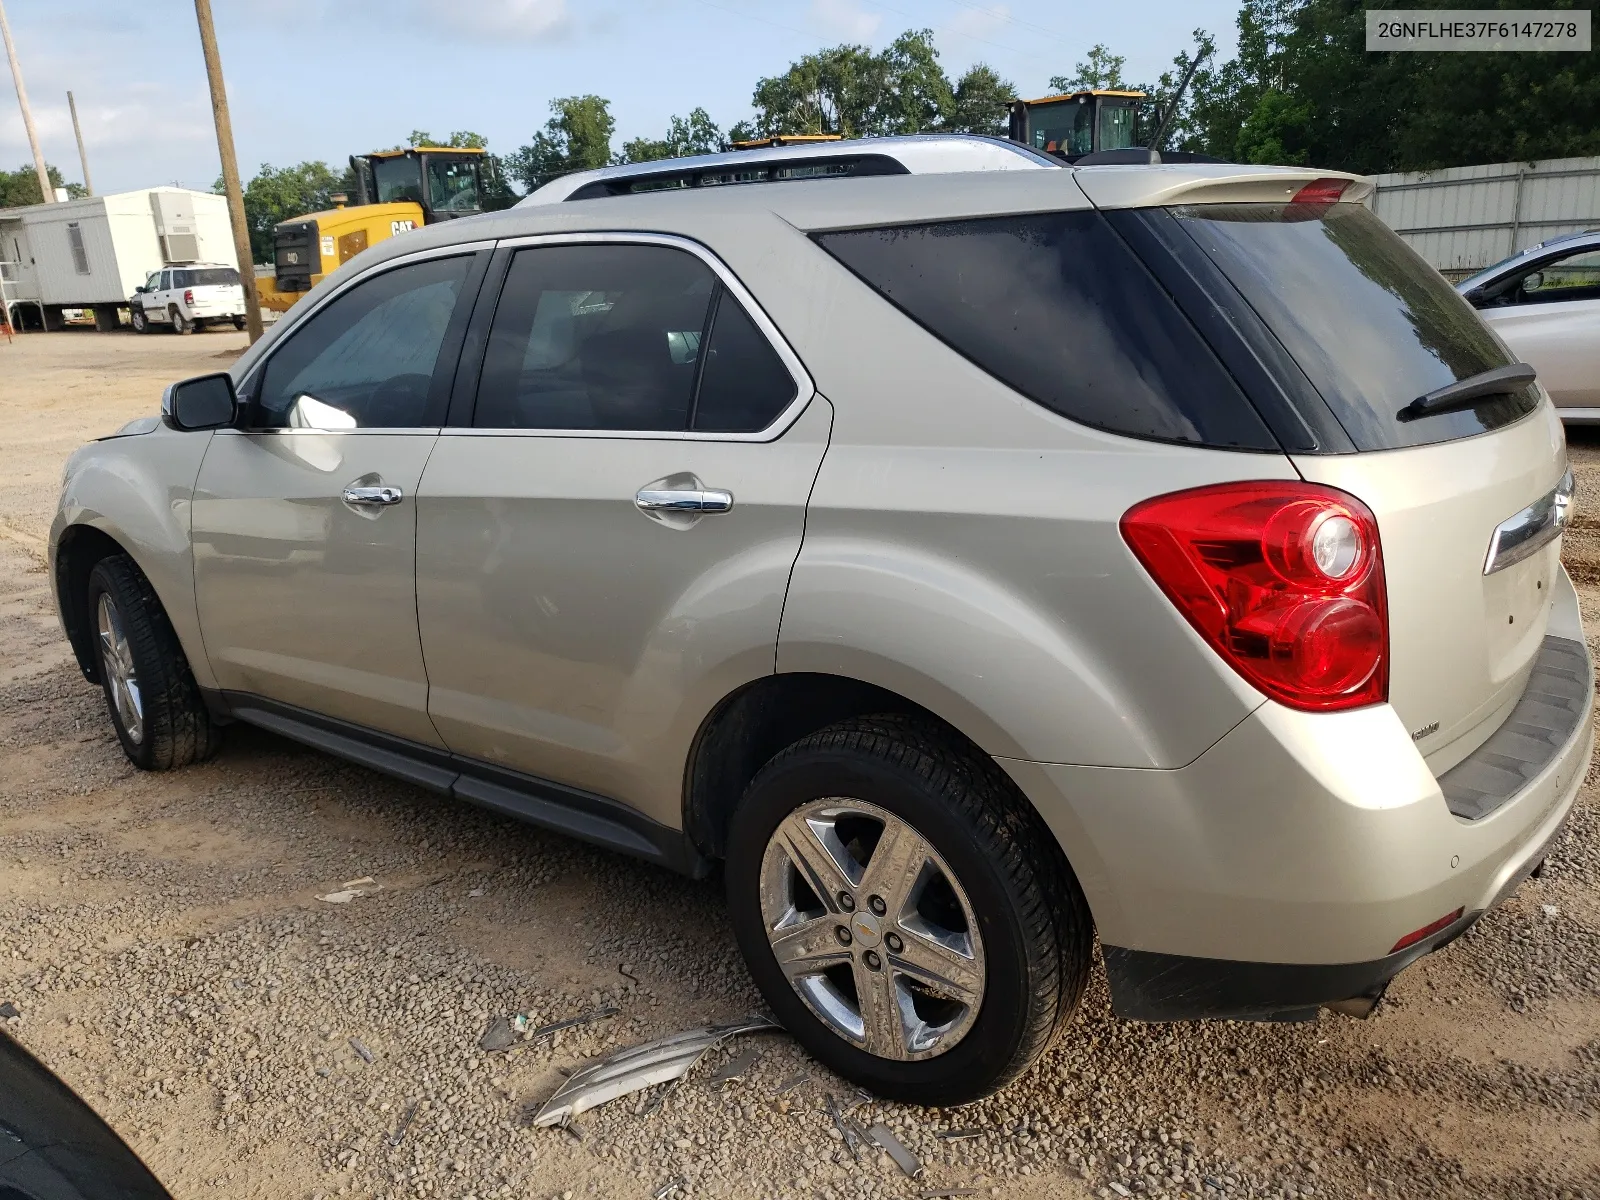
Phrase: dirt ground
[163,940]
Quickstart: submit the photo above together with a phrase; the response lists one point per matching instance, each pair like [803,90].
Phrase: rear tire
[989,871]
[181,323]
[155,704]
[239,323]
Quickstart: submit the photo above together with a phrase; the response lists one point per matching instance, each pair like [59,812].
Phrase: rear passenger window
[743,384]
[1056,306]
[620,337]
[596,337]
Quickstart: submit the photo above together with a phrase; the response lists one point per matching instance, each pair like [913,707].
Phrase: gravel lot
[164,942]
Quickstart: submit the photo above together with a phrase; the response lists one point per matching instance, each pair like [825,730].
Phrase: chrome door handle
[698,501]
[373,495]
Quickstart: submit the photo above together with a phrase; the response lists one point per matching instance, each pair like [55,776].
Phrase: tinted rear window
[1371,324]
[205,276]
[1056,306]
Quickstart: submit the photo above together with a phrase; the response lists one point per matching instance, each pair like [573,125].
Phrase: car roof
[909,154]
[1581,240]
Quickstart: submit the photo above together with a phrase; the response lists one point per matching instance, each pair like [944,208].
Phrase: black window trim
[464,395]
[452,346]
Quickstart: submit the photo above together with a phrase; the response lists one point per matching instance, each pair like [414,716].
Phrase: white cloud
[846,19]
[516,20]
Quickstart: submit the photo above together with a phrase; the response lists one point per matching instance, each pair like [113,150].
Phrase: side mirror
[1533,282]
[1475,296]
[140,288]
[204,402]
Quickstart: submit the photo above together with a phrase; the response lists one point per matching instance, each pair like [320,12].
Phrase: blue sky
[322,79]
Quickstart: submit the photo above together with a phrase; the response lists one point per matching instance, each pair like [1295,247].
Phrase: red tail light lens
[188,297]
[1321,191]
[1428,930]
[1284,580]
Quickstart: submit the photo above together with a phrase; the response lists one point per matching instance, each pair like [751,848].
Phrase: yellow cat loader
[396,191]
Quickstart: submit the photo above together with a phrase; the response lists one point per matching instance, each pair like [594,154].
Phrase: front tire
[181,323]
[904,911]
[140,322]
[155,704]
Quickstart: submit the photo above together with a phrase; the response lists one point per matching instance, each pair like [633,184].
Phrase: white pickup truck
[188,298]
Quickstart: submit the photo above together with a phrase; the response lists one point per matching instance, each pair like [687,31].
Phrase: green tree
[916,93]
[283,193]
[695,134]
[1102,69]
[21,186]
[576,138]
[981,104]
[461,139]
[853,92]
[832,91]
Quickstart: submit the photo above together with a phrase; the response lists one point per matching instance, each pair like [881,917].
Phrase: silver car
[972,564]
[1545,303]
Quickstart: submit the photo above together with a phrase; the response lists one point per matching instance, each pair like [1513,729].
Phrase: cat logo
[396,228]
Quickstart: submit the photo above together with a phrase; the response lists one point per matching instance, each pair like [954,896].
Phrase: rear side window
[1368,321]
[625,337]
[1056,306]
[205,277]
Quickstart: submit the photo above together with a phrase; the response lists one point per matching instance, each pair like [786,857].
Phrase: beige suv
[972,564]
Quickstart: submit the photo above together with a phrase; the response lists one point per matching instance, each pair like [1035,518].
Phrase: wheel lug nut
[847,902]
[843,934]
[877,905]
[872,960]
[894,943]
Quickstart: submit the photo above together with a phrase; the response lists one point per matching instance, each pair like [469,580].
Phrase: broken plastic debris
[958,1135]
[1551,910]
[499,1036]
[846,1127]
[1120,1190]
[666,1189]
[793,1082]
[947,1192]
[737,1068]
[609,1010]
[352,888]
[903,1158]
[405,1123]
[639,1067]
[360,1048]
[475,893]
[9,1010]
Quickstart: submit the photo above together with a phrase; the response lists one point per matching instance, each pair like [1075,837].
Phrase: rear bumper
[1277,871]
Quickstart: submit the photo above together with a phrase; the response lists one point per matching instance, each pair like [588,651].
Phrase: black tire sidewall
[974,1065]
[101,580]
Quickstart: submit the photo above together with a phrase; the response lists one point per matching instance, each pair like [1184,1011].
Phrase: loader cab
[1078,123]
[444,183]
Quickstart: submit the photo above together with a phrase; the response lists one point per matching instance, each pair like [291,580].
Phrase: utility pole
[230,168]
[83,158]
[45,190]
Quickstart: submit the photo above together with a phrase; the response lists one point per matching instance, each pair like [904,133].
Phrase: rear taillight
[188,297]
[1321,191]
[1284,580]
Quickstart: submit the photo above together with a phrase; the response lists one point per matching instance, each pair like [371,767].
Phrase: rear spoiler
[1152,185]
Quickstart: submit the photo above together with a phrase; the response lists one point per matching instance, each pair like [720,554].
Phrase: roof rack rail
[765,171]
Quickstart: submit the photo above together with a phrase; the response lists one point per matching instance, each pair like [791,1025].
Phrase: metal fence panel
[1462,219]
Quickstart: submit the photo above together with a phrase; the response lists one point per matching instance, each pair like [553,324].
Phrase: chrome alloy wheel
[872,929]
[116,660]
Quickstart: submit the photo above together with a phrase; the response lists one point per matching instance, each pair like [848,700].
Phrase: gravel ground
[165,944]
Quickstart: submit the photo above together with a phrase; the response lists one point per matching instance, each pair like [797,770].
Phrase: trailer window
[80,257]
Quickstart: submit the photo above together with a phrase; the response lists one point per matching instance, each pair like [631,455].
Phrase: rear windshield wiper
[1464,393]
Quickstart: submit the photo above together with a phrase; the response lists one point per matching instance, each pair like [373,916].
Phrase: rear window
[204,277]
[1056,306]
[1369,322]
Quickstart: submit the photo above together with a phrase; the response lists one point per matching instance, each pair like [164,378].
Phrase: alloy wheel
[872,929]
[116,660]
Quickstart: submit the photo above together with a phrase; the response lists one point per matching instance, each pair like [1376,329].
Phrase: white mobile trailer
[92,253]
